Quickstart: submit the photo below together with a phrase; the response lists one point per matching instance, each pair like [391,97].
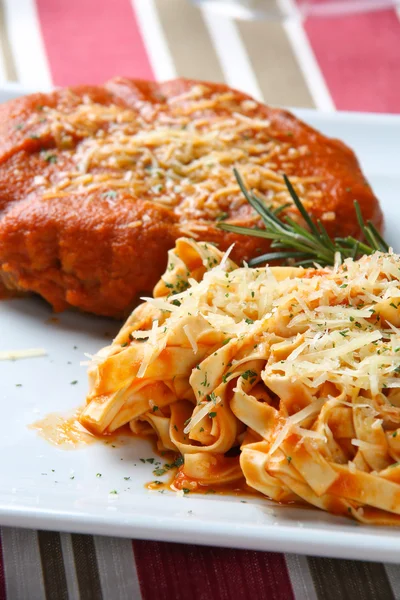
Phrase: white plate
[36,485]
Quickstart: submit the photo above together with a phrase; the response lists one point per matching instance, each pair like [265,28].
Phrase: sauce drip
[62,432]
[68,433]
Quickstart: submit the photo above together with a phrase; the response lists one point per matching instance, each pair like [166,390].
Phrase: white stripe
[69,566]
[305,57]
[300,577]
[155,40]
[22,564]
[3,76]
[117,568]
[27,44]
[235,63]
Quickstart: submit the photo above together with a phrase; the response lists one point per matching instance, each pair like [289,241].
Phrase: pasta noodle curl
[288,377]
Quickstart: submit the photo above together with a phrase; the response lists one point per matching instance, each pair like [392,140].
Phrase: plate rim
[358,543]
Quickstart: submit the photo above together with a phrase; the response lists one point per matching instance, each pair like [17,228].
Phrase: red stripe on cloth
[178,572]
[2,575]
[359,56]
[88,41]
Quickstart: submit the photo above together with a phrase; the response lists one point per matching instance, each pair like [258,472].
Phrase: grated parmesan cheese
[17,354]
[192,340]
[307,363]
[367,446]
[341,339]
[299,417]
[171,155]
[203,412]
[352,467]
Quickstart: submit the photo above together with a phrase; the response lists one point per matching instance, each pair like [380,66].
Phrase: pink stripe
[3,595]
[178,572]
[359,56]
[88,41]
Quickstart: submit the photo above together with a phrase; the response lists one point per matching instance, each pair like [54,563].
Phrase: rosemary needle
[301,246]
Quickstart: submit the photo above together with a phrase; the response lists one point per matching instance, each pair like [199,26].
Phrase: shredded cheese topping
[300,367]
[332,316]
[17,354]
[179,153]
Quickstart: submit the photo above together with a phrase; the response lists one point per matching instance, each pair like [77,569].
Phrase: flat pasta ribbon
[287,378]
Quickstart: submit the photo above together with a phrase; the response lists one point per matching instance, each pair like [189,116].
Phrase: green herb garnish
[300,245]
[178,462]
[249,374]
[109,194]
[225,377]
[159,472]
[50,158]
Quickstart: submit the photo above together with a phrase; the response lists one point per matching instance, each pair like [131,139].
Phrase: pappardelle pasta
[297,369]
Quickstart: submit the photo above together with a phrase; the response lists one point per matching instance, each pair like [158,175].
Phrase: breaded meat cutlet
[97,183]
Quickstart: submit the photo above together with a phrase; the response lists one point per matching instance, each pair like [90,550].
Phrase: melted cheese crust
[176,154]
[100,181]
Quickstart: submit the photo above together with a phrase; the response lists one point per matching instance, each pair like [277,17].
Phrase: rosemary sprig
[300,246]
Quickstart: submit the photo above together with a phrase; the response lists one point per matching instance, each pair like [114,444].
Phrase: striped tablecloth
[350,63]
